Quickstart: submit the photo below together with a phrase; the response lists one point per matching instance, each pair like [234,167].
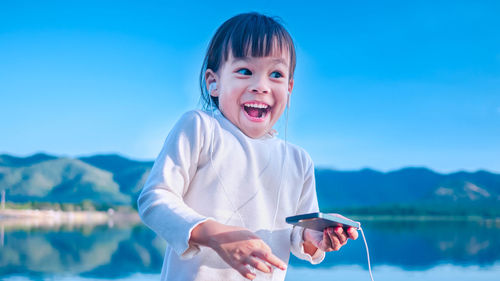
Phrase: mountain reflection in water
[419,245]
[120,251]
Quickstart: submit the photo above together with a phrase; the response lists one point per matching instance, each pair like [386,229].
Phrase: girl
[223,184]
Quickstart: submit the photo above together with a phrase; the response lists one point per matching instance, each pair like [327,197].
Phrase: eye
[244,71]
[276,74]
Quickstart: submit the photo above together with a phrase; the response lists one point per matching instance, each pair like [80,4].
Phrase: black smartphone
[320,221]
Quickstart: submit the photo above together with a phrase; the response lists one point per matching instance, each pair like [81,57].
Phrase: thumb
[313,236]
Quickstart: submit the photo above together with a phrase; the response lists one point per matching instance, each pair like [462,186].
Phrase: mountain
[13,161]
[129,174]
[115,179]
[410,187]
[53,179]
[369,187]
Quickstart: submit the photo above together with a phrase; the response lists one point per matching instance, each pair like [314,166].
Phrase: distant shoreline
[428,218]
[42,218]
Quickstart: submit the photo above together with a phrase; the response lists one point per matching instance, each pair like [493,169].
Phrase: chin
[255,133]
[252,127]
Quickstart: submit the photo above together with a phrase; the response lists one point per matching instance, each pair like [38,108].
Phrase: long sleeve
[308,203]
[160,204]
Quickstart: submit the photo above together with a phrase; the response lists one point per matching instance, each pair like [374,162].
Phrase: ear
[290,85]
[211,77]
[290,88]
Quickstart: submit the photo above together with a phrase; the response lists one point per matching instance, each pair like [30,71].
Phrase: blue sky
[379,84]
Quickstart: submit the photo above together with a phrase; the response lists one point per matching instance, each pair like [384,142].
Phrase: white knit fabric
[184,189]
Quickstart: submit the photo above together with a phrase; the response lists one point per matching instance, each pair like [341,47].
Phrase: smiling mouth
[256,110]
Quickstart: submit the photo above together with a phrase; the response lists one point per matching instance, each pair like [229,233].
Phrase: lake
[400,250]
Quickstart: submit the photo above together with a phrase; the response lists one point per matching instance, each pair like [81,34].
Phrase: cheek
[280,109]
[228,104]
[283,99]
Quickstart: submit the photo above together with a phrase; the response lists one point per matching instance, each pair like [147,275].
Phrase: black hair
[248,34]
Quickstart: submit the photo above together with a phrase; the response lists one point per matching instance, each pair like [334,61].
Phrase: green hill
[13,161]
[409,191]
[60,180]
[129,174]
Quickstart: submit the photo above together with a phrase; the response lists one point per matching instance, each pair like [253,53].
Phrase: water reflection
[121,251]
[2,233]
[414,245]
[85,251]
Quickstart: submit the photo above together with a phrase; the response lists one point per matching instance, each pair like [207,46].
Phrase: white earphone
[211,87]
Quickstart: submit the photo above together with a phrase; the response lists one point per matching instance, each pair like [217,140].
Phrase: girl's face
[252,91]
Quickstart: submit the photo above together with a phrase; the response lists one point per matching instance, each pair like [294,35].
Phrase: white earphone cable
[367,253]
[235,210]
[285,162]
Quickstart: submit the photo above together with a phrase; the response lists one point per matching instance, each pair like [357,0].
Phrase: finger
[326,243]
[313,236]
[335,242]
[254,262]
[353,233]
[245,271]
[341,235]
[271,259]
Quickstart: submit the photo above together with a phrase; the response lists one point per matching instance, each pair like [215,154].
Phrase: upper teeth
[256,105]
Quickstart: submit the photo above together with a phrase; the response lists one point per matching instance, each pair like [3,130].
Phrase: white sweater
[191,181]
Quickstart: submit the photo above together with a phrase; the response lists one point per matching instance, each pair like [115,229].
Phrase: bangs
[257,40]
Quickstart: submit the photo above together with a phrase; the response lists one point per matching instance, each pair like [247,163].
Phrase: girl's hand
[238,247]
[331,239]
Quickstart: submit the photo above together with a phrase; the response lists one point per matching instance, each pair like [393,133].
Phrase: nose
[259,86]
